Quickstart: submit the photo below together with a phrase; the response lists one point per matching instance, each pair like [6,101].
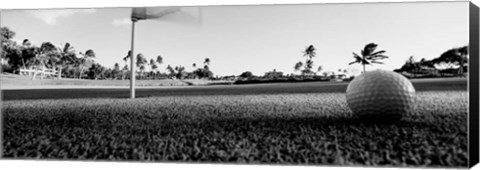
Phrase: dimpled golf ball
[380,95]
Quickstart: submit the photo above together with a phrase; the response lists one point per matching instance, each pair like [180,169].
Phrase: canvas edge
[1,96]
[473,85]
[473,129]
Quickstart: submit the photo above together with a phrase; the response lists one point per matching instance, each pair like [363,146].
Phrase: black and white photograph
[322,84]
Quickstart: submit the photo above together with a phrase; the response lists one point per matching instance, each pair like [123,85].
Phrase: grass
[310,128]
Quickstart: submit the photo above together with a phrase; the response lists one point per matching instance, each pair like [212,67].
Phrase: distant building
[338,77]
[230,78]
[273,74]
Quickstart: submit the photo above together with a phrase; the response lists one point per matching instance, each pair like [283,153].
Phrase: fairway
[288,127]
[274,88]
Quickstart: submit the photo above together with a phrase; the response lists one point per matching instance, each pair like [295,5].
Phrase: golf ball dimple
[380,94]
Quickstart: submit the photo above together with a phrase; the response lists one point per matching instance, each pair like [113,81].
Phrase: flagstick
[132,63]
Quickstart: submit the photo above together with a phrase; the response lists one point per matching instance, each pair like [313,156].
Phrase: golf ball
[380,94]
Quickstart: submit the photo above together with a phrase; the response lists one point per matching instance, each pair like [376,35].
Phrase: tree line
[454,61]
[69,64]
[368,56]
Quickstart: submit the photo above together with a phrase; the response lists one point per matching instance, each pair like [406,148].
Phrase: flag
[191,16]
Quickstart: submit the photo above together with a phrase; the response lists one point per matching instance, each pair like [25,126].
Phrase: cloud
[50,16]
[120,22]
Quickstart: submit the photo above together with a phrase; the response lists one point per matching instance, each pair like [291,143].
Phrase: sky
[255,38]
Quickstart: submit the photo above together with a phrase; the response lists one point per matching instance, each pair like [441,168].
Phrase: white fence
[43,73]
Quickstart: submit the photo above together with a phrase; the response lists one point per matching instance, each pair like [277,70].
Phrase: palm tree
[116,70]
[6,44]
[67,56]
[180,71]
[369,56]
[85,60]
[153,66]
[142,70]
[159,59]
[298,66]
[309,53]
[124,71]
[26,43]
[171,70]
[98,70]
[152,63]
[320,68]
[141,61]
[127,57]
[207,61]
[6,33]
[27,52]
[129,53]
[46,53]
